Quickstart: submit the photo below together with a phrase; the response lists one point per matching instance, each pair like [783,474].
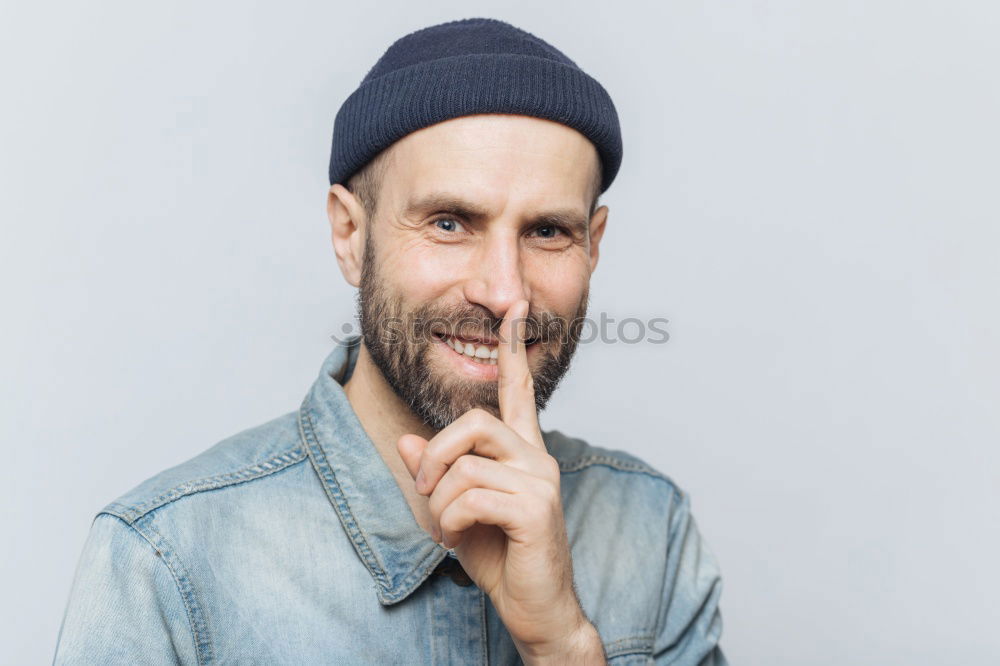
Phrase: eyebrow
[442,202]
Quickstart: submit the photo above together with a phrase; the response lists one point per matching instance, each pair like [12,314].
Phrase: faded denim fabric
[290,543]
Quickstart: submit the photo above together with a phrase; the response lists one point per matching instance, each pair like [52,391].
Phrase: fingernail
[420,481]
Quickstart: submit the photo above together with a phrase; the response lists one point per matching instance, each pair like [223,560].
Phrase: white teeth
[481,354]
[494,353]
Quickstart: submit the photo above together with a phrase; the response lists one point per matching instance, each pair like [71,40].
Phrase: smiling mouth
[485,352]
[478,351]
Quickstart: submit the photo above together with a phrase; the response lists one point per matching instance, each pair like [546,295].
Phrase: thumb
[410,448]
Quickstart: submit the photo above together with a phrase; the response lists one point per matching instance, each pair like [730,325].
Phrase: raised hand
[493,493]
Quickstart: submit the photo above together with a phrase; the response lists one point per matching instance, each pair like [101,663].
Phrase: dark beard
[400,345]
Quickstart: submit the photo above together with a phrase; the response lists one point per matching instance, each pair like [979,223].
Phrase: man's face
[475,214]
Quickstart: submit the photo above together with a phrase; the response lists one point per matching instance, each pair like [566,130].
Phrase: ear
[347,231]
[597,223]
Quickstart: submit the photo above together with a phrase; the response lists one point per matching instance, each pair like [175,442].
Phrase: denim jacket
[291,543]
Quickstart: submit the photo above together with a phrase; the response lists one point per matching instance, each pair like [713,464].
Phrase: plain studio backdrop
[808,195]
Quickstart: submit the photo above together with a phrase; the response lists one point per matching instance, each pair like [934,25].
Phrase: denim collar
[398,553]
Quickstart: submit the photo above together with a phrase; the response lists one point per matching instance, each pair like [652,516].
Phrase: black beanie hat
[474,65]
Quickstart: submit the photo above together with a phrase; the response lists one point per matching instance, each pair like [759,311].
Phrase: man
[412,511]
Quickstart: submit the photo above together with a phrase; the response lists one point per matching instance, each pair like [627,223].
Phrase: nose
[497,280]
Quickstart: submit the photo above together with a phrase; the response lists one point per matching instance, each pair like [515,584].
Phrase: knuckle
[477,499]
[550,467]
[478,417]
[467,466]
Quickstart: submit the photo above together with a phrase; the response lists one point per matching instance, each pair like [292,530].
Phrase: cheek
[422,273]
[559,285]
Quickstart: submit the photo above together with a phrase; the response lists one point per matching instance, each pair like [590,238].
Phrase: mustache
[474,322]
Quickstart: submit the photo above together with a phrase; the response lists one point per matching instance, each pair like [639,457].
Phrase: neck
[384,416]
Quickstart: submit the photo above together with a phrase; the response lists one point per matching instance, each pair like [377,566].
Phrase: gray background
[809,195]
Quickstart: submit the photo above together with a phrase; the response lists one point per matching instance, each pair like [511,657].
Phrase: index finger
[516,386]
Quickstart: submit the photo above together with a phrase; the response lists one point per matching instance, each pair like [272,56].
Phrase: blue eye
[547,232]
[447,224]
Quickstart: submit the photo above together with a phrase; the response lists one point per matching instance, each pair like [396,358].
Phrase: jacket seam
[166,554]
[389,590]
[638,644]
[332,489]
[578,464]
[675,516]
[132,513]
[714,591]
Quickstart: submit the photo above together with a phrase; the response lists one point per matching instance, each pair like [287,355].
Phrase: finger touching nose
[498,281]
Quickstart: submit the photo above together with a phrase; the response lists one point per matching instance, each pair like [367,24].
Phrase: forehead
[498,160]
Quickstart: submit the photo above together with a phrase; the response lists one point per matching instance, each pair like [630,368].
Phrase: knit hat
[469,66]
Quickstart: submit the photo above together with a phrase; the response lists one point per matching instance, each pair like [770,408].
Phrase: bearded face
[440,357]
[459,221]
